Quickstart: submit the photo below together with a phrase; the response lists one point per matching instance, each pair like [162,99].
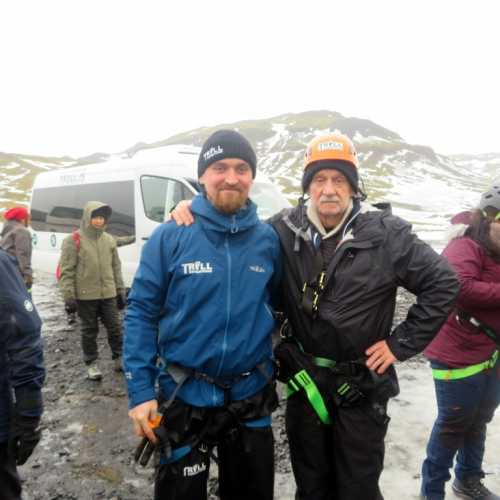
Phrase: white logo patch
[197,267]
[210,153]
[257,269]
[194,469]
[28,305]
[330,146]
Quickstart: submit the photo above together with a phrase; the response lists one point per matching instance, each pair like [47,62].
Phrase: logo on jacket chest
[257,269]
[197,267]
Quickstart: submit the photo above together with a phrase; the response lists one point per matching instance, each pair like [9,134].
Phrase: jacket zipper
[228,313]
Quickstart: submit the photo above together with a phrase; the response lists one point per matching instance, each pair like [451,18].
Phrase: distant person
[199,324]
[21,377]
[464,358]
[92,284]
[344,260]
[16,240]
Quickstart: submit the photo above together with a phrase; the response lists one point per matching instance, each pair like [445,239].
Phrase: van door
[158,196]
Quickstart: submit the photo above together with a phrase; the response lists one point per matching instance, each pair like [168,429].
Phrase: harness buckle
[321,281]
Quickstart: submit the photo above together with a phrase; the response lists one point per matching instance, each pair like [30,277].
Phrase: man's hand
[380,357]
[182,214]
[23,437]
[141,415]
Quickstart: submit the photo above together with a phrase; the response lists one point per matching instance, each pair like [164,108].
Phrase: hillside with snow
[423,186]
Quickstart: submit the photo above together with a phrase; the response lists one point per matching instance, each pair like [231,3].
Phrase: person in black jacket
[21,376]
[343,262]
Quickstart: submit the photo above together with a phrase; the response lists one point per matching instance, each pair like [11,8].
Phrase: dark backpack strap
[464,317]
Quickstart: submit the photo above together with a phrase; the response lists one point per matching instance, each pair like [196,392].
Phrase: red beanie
[16,213]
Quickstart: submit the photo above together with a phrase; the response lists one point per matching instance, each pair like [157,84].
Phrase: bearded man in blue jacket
[199,325]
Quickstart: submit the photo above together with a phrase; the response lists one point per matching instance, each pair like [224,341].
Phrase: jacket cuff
[399,349]
[139,397]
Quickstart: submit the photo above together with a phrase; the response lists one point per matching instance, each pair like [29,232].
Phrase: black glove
[121,299]
[70,306]
[28,280]
[23,437]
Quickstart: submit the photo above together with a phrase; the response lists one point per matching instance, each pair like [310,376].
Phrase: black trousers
[90,311]
[341,461]
[10,485]
[246,469]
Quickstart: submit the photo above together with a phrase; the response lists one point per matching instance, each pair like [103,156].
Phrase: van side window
[59,209]
[160,195]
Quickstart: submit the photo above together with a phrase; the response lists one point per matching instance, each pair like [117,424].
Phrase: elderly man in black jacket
[21,376]
[344,260]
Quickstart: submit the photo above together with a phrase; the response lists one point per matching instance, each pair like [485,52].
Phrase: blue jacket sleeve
[145,307]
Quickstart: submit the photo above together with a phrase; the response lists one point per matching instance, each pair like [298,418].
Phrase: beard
[229,201]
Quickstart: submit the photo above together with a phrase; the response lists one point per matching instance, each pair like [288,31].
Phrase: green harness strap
[304,381]
[468,371]
[324,362]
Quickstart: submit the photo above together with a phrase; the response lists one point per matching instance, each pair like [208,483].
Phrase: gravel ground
[87,446]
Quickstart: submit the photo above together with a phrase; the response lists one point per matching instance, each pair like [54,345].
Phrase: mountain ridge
[412,177]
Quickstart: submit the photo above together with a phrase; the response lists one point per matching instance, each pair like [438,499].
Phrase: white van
[140,190]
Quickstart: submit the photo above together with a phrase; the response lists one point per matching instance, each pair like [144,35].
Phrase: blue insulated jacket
[201,299]
[21,359]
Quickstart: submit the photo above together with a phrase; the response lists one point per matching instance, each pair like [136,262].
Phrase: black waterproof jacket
[377,253]
[21,359]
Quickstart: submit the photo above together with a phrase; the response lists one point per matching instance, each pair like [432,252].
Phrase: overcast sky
[77,77]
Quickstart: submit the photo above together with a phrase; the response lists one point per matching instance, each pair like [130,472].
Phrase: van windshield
[268,199]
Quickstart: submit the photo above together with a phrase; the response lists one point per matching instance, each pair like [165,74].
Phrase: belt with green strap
[467,371]
[304,381]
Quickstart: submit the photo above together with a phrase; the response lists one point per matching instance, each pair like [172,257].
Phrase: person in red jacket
[464,357]
[16,240]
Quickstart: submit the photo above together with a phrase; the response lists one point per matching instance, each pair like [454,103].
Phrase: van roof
[175,160]
[181,160]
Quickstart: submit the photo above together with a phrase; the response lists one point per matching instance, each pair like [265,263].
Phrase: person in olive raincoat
[92,284]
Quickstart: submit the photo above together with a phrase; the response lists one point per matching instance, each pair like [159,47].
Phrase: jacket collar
[299,223]
[242,220]
[313,216]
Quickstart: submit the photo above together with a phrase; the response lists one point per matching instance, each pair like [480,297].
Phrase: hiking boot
[93,372]
[117,364]
[472,489]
